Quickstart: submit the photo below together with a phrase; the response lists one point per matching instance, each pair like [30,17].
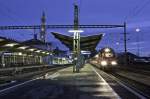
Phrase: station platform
[87,84]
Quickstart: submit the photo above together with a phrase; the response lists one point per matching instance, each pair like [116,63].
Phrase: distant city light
[137,30]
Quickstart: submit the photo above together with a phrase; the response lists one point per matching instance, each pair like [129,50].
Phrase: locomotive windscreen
[107,52]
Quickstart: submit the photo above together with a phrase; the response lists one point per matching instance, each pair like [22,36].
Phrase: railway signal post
[76,49]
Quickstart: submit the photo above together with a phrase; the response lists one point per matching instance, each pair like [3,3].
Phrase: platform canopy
[11,45]
[87,43]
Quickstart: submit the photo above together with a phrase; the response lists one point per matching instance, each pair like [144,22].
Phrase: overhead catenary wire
[131,11]
[141,8]
[136,10]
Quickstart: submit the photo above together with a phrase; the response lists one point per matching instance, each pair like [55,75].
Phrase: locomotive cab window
[108,55]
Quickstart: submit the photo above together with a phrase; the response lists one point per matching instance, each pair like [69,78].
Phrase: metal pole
[138,45]
[76,46]
[3,60]
[125,44]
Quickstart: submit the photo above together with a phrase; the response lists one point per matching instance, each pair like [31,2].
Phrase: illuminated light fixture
[42,29]
[107,50]
[75,58]
[11,44]
[23,47]
[47,53]
[43,52]
[38,51]
[85,52]
[103,63]
[8,53]
[96,56]
[31,49]
[63,59]
[113,63]
[137,30]
[20,53]
[76,31]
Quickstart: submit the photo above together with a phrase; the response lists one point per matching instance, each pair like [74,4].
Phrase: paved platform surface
[88,83]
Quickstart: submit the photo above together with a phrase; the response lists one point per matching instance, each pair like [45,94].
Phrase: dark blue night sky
[134,12]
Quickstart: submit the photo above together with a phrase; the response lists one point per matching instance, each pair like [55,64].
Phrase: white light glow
[79,31]
[20,53]
[96,56]
[43,52]
[85,52]
[38,51]
[113,63]
[23,47]
[31,49]
[137,30]
[42,29]
[63,59]
[107,50]
[11,44]
[103,63]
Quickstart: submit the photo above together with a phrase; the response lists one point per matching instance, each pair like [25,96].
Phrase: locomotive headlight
[113,63]
[103,63]
[107,50]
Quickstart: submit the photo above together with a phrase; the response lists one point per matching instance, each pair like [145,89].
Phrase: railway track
[140,88]
[139,71]
[136,85]
[17,79]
